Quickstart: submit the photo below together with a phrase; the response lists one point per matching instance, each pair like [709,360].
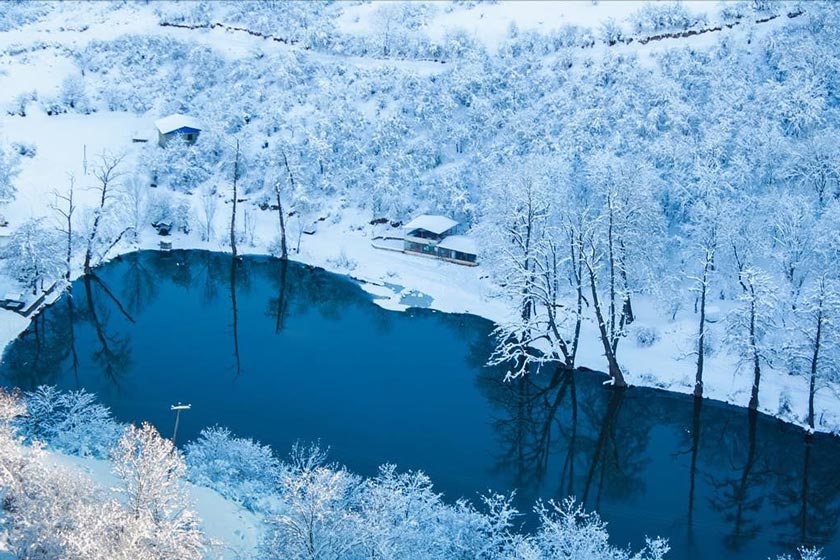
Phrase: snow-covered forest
[655,186]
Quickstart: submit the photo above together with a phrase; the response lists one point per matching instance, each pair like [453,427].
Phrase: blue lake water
[287,352]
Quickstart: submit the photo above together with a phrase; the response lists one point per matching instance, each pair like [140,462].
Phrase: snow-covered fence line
[702,31]
[283,40]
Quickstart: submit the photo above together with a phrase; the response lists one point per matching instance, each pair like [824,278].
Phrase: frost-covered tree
[536,221]
[64,205]
[152,474]
[815,166]
[208,204]
[100,237]
[814,340]
[135,193]
[568,532]
[9,170]
[33,254]
[517,216]
[238,468]
[319,520]
[751,323]
[70,421]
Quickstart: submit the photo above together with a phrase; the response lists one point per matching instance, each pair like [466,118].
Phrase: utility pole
[178,408]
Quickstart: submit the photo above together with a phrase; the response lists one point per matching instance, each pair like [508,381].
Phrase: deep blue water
[284,353]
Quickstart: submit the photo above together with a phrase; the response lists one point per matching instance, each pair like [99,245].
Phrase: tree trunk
[756,357]
[812,386]
[701,338]
[94,230]
[627,306]
[614,369]
[577,267]
[284,254]
[612,271]
[233,208]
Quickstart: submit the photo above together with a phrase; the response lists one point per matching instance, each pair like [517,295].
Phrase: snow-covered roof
[460,243]
[432,223]
[176,121]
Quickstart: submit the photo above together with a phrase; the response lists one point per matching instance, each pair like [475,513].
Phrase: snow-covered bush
[179,166]
[19,104]
[399,515]
[69,421]
[72,96]
[567,532]
[275,247]
[15,14]
[32,254]
[645,336]
[9,170]
[342,262]
[161,207]
[239,469]
[661,16]
[25,149]
[611,32]
[182,216]
[804,553]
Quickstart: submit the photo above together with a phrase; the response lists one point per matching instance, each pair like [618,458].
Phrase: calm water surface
[284,353]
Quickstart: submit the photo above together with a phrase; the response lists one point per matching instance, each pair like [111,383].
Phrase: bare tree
[817,352]
[752,320]
[236,170]
[706,244]
[107,175]
[65,206]
[593,258]
[209,203]
[136,194]
[284,254]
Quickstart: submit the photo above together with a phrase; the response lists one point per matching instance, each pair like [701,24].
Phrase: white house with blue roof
[177,125]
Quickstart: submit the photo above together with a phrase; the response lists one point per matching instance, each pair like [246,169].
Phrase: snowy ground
[342,241]
[233,531]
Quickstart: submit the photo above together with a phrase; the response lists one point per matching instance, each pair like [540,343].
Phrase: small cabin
[436,236]
[177,126]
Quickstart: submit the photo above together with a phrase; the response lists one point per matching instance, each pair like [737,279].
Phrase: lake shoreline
[387,294]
